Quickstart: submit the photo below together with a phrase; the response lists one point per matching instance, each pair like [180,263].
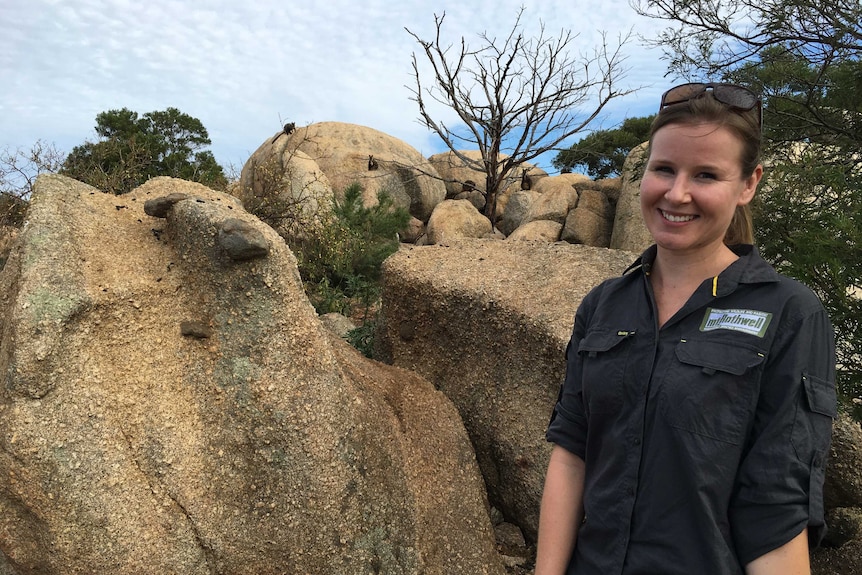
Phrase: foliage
[280,197]
[711,37]
[809,221]
[604,152]
[515,98]
[362,338]
[133,149]
[804,57]
[18,172]
[339,259]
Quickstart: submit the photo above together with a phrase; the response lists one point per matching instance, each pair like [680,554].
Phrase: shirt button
[637,441]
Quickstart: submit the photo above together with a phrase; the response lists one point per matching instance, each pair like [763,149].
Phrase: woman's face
[692,185]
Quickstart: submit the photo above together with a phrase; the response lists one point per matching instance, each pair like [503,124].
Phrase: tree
[603,152]
[19,169]
[133,149]
[515,98]
[804,57]
[805,39]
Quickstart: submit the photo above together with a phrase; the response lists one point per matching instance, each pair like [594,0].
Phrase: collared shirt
[704,441]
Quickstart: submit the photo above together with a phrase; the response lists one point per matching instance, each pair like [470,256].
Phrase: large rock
[557,196]
[454,219]
[610,187]
[845,560]
[343,151]
[285,187]
[488,322]
[629,231]
[590,222]
[170,407]
[516,210]
[539,230]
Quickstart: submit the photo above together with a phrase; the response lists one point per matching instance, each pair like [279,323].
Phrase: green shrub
[339,254]
[362,337]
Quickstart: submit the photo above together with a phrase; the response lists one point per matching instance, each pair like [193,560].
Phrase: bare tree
[804,41]
[19,169]
[712,36]
[515,98]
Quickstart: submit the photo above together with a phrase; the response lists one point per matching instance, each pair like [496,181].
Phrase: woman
[693,426]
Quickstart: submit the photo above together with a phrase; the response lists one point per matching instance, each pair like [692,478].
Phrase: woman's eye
[663,169]
[706,175]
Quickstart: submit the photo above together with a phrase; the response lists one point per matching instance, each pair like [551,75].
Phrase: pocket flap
[719,356]
[821,395]
[599,341]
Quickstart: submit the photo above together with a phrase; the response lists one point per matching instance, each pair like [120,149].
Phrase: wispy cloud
[242,68]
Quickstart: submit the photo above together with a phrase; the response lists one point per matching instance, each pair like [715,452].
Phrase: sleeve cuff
[565,431]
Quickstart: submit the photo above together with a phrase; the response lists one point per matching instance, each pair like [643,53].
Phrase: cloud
[244,68]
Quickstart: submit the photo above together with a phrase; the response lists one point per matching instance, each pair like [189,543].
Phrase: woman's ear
[751,183]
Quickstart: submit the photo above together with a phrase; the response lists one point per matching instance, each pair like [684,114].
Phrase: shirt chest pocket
[604,355]
[711,389]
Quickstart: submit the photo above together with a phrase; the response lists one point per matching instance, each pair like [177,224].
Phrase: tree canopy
[604,152]
[514,97]
[132,149]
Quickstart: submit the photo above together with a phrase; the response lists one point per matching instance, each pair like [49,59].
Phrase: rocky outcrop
[580,207]
[171,404]
[349,153]
[488,322]
[461,178]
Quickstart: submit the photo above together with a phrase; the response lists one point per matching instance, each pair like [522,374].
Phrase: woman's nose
[678,192]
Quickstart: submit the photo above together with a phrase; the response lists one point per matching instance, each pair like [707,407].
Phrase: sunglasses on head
[732,95]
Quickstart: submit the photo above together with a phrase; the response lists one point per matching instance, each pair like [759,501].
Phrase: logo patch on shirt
[745,320]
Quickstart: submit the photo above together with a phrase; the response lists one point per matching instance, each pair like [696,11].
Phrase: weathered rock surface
[554,202]
[344,152]
[260,443]
[538,230]
[279,180]
[610,187]
[338,324]
[454,219]
[517,208]
[488,323]
[845,560]
[843,486]
[629,231]
[590,222]
[843,500]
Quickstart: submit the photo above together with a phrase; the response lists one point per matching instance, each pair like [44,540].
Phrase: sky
[246,68]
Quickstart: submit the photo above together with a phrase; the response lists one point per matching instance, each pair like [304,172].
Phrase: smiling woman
[691,191]
[711,458]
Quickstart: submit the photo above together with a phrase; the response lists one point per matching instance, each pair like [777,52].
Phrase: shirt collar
[750,268]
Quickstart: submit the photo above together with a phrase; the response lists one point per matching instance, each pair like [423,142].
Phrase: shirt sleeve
[568,425]
[779,486]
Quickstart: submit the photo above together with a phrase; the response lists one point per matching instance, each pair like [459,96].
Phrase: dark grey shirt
[705,441]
